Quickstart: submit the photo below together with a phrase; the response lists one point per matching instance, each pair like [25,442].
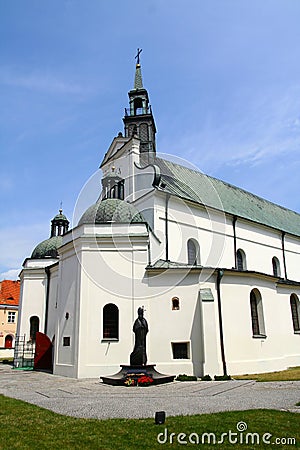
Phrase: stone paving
[90,398]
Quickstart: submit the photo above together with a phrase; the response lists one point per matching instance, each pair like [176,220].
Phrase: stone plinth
[136,371]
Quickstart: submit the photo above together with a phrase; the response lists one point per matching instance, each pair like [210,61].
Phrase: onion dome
[111,210]
[48,248]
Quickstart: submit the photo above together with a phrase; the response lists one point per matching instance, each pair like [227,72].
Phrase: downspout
[47,270]
[220,274]
[149,247]
[283,254]
[234,240]
[167,226]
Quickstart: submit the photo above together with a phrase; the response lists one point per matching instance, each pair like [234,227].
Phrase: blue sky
[224,83]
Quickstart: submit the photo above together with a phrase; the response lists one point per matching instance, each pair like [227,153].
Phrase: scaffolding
[24,353]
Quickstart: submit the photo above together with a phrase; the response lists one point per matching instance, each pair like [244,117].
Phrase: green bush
[222,377]
[184,377]
[206,378]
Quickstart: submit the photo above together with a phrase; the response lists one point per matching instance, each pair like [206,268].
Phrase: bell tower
[138,119]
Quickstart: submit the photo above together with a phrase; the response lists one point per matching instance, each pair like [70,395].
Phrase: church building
[215,268]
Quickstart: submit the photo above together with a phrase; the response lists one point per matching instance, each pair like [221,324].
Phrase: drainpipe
[220,274]
[149,247]
[47,270]
[283,254]
[234,240]
[167,227]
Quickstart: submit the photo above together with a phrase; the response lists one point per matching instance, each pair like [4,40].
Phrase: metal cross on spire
[137,57]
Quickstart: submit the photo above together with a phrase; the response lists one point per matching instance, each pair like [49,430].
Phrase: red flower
[146,380]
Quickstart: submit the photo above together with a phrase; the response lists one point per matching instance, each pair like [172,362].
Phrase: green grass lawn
[25,426]
[291,374]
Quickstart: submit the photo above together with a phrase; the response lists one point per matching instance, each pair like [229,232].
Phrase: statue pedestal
[135,372]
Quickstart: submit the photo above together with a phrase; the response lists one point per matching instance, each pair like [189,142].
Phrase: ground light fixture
[160,417]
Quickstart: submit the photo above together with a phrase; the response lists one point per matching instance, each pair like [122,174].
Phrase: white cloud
[17,243]
[46,82]
[12,274]
[267,130]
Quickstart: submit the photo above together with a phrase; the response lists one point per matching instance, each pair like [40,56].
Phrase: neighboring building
[215,267]
[9,303]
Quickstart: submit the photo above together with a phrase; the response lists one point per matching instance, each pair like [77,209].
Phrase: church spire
[138,81]
[138,119]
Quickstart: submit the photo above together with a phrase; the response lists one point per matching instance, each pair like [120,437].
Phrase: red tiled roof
[9,292]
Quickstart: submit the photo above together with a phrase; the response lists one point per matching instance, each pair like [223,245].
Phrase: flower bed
[138,380]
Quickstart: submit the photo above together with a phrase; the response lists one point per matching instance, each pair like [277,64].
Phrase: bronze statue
[140,328]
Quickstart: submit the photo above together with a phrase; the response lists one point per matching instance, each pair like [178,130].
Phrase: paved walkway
[93,399]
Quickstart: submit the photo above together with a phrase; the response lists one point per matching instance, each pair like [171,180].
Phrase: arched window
[110,321]
[241,260]
[295,309]
[193,252]
[175,303]
[257,316]
[8,341]
[276,267]
[34,327]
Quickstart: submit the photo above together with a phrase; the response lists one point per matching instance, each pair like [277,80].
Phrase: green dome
[60,216]
[111,210]
[47,248]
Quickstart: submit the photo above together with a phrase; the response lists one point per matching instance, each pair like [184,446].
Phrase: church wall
[100,288]
[214,233]
[212,351]
[260,244]
[292,252]
[112,270]
[99,356]
[193,324]
[32,299]
[292,352]
[52,302]
[211,229]
[145,205]
[68,311]
[244,353]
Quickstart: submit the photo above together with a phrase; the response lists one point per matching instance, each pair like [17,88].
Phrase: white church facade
[215,268]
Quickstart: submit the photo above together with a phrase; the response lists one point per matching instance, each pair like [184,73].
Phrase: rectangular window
[66,341]
[11,317]
[180,350]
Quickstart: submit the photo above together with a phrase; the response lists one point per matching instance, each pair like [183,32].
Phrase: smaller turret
[48,248]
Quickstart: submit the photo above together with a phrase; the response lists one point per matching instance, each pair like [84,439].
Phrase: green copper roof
[111,210]
[47,248]
[138,81]
[60,216]
[211,192]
